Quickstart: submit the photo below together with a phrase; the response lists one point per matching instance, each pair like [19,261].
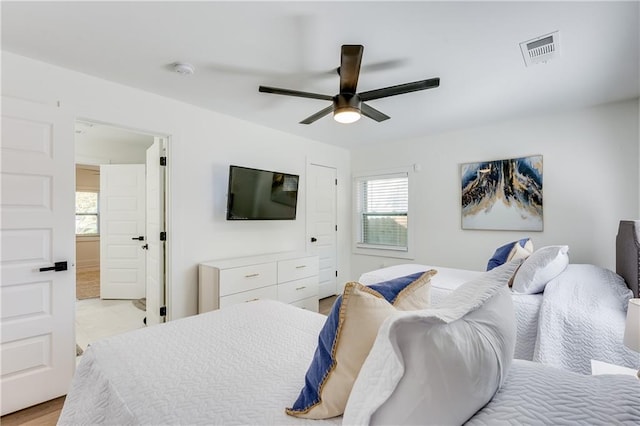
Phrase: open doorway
[112,254]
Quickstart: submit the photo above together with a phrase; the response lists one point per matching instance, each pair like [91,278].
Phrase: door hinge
[163,236]
[336,181]
[163,311]
[163,161]
[336,273]
[336,227]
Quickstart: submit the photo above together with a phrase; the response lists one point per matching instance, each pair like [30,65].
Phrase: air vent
[540,49]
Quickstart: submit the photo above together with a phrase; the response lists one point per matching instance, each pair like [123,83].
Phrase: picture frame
[502,194]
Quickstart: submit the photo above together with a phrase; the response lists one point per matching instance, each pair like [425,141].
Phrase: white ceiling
[236,46]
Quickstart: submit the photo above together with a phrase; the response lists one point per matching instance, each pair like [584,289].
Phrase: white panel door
[155,289]
[122,231]
[37,211]
[321,225]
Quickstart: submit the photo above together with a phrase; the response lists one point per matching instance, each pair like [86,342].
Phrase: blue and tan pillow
[347,336]
[440,365]
[514,250]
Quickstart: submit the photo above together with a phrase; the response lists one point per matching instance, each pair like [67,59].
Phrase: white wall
[590,178]
[201,147]
[100,151]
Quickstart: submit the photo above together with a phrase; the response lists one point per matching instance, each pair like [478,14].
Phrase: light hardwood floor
[44,414]
[326,304]
[47,413]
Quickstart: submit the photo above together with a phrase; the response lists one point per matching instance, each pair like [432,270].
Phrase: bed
[246,364]
[527,306]
[579,316]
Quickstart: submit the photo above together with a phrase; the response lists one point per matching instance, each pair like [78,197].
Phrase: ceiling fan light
[346,115]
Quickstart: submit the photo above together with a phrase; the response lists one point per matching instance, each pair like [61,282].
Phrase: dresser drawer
[294,269]
[310,304]
[248,296]
[298,289]
[235,280]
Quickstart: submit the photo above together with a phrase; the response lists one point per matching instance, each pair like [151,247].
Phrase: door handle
[58,266]
[314,239]
[140,238]
[146,246]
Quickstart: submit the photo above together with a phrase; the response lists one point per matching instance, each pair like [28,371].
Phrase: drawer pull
[301,288]
[252,275]
[301,266]
[251,300]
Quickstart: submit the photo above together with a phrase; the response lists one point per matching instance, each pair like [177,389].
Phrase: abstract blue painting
[502,194]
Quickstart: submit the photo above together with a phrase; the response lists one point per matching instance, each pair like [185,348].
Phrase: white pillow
[439,365]
[541,267]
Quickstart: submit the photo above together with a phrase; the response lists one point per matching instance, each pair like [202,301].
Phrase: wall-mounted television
[256,194]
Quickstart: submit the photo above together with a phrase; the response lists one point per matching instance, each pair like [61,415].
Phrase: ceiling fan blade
[289,92]
[373,113]
[399,89]
[350,61]
[370,67]
[318,115]
[383,65]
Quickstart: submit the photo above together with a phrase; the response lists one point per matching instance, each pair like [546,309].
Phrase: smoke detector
[541,49]
[183,68]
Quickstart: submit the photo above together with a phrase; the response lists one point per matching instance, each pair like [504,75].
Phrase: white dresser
[290,277]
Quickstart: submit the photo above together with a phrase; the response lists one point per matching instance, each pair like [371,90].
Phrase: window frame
[96,214]
[374,249]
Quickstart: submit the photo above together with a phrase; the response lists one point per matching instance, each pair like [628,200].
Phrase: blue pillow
[510,252]
[347,336]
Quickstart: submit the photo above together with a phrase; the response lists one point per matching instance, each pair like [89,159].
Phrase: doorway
[111,258]
[322,225]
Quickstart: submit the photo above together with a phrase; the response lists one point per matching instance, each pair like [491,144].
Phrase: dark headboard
[628,254]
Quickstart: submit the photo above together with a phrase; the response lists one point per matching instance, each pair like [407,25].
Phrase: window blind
[383,203]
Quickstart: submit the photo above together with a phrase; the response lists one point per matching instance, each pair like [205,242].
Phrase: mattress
[526,306]
[240,365]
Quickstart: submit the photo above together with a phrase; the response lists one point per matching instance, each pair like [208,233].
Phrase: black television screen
[261,195]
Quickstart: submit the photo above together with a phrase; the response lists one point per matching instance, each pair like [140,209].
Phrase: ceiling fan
[347,106]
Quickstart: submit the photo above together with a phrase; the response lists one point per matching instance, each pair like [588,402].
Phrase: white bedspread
[582,317]
[535,394]
[240,365]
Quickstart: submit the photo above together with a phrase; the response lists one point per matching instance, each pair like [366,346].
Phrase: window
[87,213]
[382,211]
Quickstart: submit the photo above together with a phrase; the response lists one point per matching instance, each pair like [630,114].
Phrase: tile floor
[96,319]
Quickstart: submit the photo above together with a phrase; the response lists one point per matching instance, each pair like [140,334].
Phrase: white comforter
[582,317]
[535,394]
[240,365]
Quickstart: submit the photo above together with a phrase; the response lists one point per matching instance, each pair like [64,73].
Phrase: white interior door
[321,225]
[122,231]
[37,215]
[155,288]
